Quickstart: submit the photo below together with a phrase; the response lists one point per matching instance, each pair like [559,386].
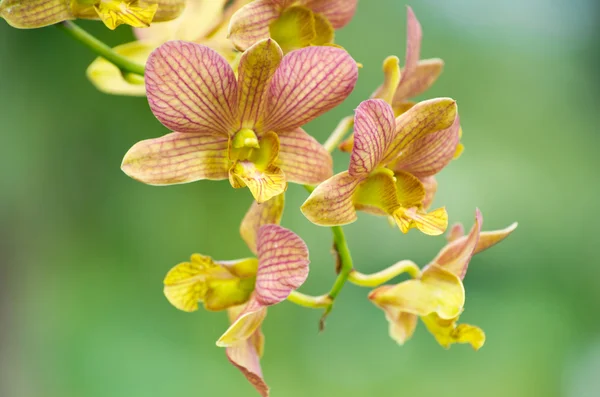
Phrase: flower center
[243,144]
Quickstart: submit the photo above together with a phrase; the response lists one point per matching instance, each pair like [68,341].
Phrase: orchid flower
[245,287]
[293,24]
[245,129]
[138,13]
[203,22]
[437,296]
[370,184]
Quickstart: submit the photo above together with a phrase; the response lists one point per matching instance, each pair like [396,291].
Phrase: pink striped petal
[256,68]
[430,154]
[251,23]
[267,213]
[331,203]
[177,158]
[303,159]
[282,264]
[338,12]
[414,35]
[455,257]
[308,83]
[374,130]
[419,80]
[191,88]
[34,13]
[420,120]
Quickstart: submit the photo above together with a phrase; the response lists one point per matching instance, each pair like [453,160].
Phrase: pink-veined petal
[34,13]
[243,356]
[414,35]
[282,264]
[374,130]
[430,154]
[267,213]
[191,88]
[177,158]
[456,231]
[251,23]
[337,12]
[303,159]
[308,83]
[455,257]
[331,203]
[257,66]
[420,120]
[489,239]
[420,80]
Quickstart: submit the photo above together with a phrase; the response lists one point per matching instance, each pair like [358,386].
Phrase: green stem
[313,302]
[123,63]
[376,279]
[345,261]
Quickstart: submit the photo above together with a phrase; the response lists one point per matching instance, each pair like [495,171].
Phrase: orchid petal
[34,13]
[391,79]
[177,158]
[438,291]
[269,212]
[456,231]
[244,357]
[181,88]
[374,130]
[430,184]
[251,23]
[109,79]
[218,285]
[377,195]
[338,12]
[197,20]
[419,80]
[402,325]
[431,153]
[489,239]
[455,257]
[259,173]
[169,9]
[257,66]
[411,191]
[308,83]
[246,324]
[325,33]
[414,35]
[432,223]
[115,13]
[446,332]
[294,29]
[331,202]
[303,159]
[422,119]
[283,264]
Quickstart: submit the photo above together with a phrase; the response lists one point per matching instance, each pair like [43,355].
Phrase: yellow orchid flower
[244,128]
[437,295]
[293,24]
[418,140]
[203,22]
[31,14]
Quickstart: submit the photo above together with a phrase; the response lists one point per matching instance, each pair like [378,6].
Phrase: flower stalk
[100,48]
[385,275]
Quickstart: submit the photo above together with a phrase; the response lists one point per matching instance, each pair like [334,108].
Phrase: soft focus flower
[28,14]
[245,129]
[203,22]
[245,287]
[293,24]
[376,180]
[438,295]
[414,79]
[283,267]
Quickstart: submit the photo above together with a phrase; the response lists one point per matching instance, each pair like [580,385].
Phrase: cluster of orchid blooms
[235,81]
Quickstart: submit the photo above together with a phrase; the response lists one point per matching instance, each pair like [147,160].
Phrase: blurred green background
[83,248]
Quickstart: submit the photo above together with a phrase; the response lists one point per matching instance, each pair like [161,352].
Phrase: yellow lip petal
[447,332]
[134,13]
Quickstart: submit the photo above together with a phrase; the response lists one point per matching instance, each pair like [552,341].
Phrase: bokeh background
[83,248]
